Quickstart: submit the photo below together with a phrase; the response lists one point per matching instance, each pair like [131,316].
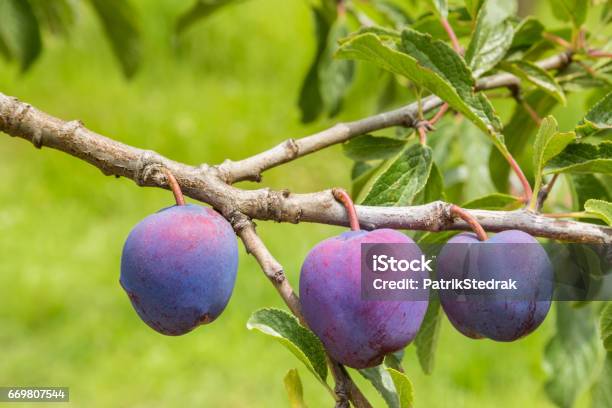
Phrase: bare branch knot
[69,129]
[423,124]
[20,113]
[147,166]
[293,150]
[239,221]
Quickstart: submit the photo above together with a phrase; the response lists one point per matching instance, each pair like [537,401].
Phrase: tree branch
[205,183]
[322,208]
[252,167]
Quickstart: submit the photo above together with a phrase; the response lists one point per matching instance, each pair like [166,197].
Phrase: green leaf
[393,13]
[492,37]
[572,356]
[570,10]
[440,7]
[394,360]
[537,76]
[585,187]
[597,119]
[437,238]
[293,386]
[434,188]
[495,201]
[606,13]
[602,209]
[432,65]
[402,178]
[473,159]
[582,158]
[19,32]
[362,173]
[310,100]
[518,133]
[285,328]
[335,76]
[526,34]
[199,10]
[121,26]
[602,391]
[473,7]
[369,147]
[383,383]
[549,142]
[56,15]
[403,388]
[606,327]
[427,339]
[430,24]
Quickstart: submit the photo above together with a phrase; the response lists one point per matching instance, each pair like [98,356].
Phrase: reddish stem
[558,40]
[527,191]
[345,199]
[174,186]
[425,126]
[599,54]
[422,135]
[534,115]
[341,8]
[587,68]
[451,34]
[439,114]
[471,220]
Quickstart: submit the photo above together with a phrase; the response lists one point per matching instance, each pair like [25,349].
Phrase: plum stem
[342,196]
[558,40]
[174,186]
[599,54]
[451,34]
[527,191]
[471,220]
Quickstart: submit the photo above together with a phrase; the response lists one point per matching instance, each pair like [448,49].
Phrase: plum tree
[179,266]
[498,315]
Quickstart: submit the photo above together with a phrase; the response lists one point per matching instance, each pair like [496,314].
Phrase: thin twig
[439,114]
[291,149]
[558,40]
[599,54]
[545,191]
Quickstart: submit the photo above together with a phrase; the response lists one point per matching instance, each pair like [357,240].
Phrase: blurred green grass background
[229,92]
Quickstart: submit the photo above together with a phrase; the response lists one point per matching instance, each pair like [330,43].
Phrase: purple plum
[499,314]
[178,268]
[356,332]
